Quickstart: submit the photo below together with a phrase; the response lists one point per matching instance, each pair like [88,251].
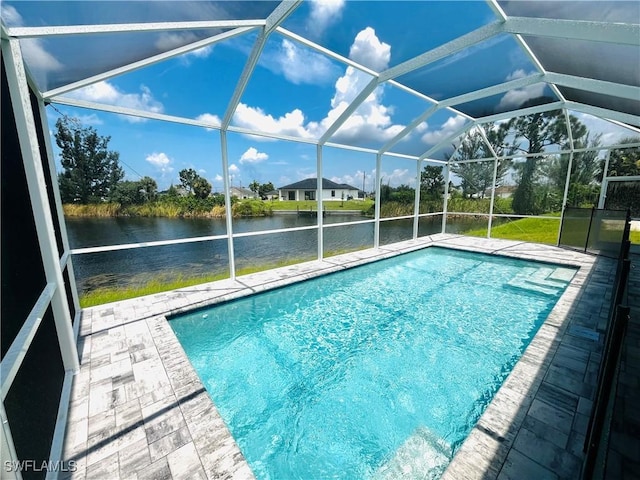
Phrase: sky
[294,91]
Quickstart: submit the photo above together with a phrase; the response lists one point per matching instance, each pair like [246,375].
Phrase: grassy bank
[338,205]
[538,230]
[180,208]
[115,294]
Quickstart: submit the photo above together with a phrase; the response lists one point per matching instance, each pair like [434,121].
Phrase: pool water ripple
[368,372]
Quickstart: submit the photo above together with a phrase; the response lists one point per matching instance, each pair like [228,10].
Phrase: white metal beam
[632,120]
[279,14]
[592,85]
[445,201]
[227,204]
[7,447]
[521,112]
[376,228]
[36,183]
[146,62]
[449,48]
[603,182]
[409,128]
[157,243]
[619,33]
[275,18]
[416,205]
[524,46]
[630,178]
[448,139]
[58,200]
[324,51]
[72,102]
[319,189]
[352,107]
[277,136]
[567,179]
[493,90]
[49,31]
[244,79]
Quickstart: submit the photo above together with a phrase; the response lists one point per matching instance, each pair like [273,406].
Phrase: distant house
[242,193]
[504,191]
[272,195]
[306,190]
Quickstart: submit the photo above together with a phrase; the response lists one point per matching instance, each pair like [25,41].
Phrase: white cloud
[323,13]
[520,73]
[399,176]
[105,92]
[353,180]
[218,178]
[11,16]
[253,156]
[169,40]
[448,128]
[371,120]
[369,51]
[91,119]
[292,123]
[161,161]
[300,65]
[209,118]
[515,98]
[233,169]
[40,61]
[611,133]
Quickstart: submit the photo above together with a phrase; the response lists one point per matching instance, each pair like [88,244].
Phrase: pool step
[423,455]
[544,280]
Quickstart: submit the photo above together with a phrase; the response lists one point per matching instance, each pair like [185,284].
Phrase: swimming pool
[373,371]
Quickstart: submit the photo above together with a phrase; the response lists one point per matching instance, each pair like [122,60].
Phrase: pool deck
[139,411]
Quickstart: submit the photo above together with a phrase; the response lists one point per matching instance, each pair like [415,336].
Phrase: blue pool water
[371,372]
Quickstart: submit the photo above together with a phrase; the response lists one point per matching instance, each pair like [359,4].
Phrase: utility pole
[364,176]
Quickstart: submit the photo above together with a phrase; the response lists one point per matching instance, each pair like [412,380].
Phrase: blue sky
[294,90]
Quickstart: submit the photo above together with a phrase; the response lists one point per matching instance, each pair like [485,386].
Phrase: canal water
[137,266]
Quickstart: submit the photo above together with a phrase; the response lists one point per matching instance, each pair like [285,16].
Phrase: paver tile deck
[138,409]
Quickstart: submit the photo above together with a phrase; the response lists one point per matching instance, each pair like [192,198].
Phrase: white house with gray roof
[307,189]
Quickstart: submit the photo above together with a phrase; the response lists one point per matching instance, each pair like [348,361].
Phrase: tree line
[538,177]
[91,173]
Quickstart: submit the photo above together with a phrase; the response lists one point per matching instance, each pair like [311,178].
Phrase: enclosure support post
[61,223]
[227,202]
[446,198]
[376,227]
[566,193]
[493,196]
[36,183]
[416,207]
[320,212]
[7,447]
[604,184]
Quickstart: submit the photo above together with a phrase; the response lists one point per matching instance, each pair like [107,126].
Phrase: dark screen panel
[23,277]
[33,399]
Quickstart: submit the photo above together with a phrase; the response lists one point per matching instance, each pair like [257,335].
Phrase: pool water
[373,372]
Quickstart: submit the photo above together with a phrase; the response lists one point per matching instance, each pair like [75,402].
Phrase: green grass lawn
[313,205]
[538,230]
